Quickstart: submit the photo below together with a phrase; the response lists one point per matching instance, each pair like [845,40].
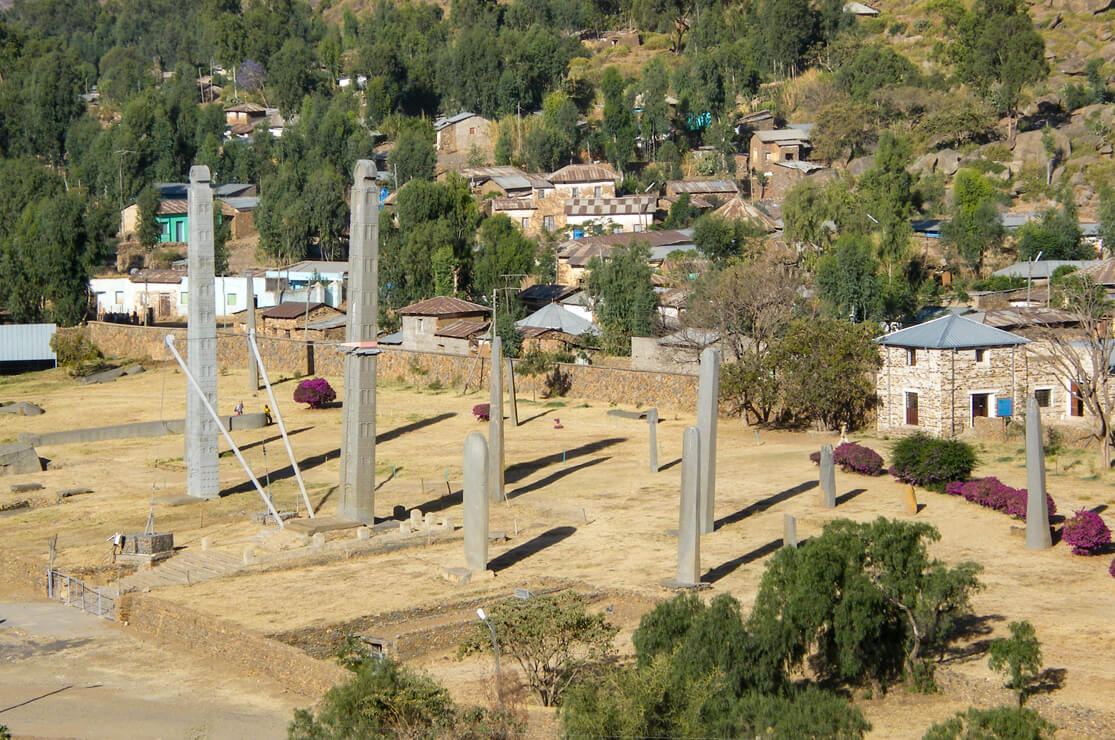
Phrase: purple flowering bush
[315,391]
[994,494]
[854,458]
[481,411]
[1111,569]
[1086,532]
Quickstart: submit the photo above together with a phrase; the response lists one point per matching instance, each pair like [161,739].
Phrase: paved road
[66,674]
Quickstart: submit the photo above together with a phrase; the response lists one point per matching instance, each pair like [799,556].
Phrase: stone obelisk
[1038,536]
[689,539]
[652,422]
[358,420]
[828,478]
[476,503]
[708,409]
[495,424]
[202,472]
[253,367]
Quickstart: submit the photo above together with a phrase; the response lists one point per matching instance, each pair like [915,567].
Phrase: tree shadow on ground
[530,547]
[715,574]
[1048,681]
[412,427]
[846,497]
[518,471]
[554,477]
[764,504]
[968,627]
[539,415]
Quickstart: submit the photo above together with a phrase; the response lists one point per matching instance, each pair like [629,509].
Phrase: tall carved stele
[358,422]
[202,471]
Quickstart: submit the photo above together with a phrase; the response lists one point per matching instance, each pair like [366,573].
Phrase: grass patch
[555,404]
[1008,458]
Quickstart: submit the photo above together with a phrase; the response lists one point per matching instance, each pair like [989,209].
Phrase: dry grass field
[582,509]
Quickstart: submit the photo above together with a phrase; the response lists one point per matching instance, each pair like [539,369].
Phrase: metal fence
[77,593]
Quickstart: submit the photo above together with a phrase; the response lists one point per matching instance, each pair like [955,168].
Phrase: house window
[912,408]
[911,357]
[789,155]
[982,357]
[1043,397]
[119,298]
[576,192]
[472,131]
[166,231]
[981,404]
[230,300]
[637,227]
[184,296]
[421,324]
[548,223]
[526,223]
[597,191]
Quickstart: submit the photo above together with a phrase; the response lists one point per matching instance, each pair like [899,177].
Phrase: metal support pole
[279,421]
[495,649]
[228,437]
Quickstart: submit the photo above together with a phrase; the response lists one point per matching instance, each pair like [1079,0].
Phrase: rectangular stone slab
[320,524]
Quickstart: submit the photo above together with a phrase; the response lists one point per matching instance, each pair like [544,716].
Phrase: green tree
[149,229]
[1017,656]
[124,72]
[1056,236]
[974,227]
[721,239]
[873,68]
[621,286]
[1106,218]
[997,48]
[825,368]
[413,156]
[682,214]
[865,600]
[618,122]
[789,28]
[655,118]
[292,75]
[844,131]
[502,250]
[1000,723]
[887,195]
[551,637]
[846,278]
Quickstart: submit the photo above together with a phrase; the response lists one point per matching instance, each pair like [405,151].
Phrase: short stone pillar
[476,503]
[1038,536]
[828,478]
[708,412]
[911,500]
[689,535]
[789,531]
[512,402]
[652,424]
[495,424]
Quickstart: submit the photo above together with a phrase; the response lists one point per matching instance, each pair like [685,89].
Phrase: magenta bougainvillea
[1086,532]
[1111,568]
[854,458]
[315,391]
[994,494]
[481,411]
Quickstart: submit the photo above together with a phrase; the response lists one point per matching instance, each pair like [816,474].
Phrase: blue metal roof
[951,332]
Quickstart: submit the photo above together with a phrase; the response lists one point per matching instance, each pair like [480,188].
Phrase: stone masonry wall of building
[673,391]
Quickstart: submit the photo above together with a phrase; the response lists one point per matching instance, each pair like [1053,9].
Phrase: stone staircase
[188,567]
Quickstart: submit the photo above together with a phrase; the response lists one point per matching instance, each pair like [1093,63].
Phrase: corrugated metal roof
[512,182]
[624,206]
[291,310]
[463,329]
[1043,269]
[486,173]
[782,135]
[246,108]
[800,166]
[163,277]
[554,317]
[333,322]
[26,342]
[584,173]
[1102,272]
[577,252]
[739,209]
[441,123]
[242,203]
[169,207]
[951,332]
[546,293]
[321,267]
[442,306]
[701,186]
[1007,318]
[513,204]
[860,9]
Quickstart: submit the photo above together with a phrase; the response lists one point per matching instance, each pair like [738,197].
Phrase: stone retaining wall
[225,641]
[674,391]
[136,429]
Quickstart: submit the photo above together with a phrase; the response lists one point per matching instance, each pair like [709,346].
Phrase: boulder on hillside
[926,164]
[859,165]
[948,161]
[1028,146]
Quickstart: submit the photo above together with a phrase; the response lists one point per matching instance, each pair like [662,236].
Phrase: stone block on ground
[910,500]
[18,458]
[363,533]
[21,408]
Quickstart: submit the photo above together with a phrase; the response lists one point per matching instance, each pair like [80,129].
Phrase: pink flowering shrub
[1086,532]
[1111,569]
[315,391]
[854,458]
[481,411]
[994,494]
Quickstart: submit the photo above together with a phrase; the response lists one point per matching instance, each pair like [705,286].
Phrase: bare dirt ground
[582,507]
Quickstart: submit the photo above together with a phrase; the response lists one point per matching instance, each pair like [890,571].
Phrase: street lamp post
[495,649]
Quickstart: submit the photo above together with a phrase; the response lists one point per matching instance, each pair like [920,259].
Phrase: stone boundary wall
[225,641]
[136,429]
[675,391]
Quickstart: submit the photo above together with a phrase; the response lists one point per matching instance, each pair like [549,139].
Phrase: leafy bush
[482,411]
[76,351]
[1001,723]
[932,463]
[854,458]
[315,391]
[1087,533]
[994,494]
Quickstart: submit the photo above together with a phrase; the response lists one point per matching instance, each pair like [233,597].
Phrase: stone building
[444,324]
[292,319]
[947,375]
[463,133]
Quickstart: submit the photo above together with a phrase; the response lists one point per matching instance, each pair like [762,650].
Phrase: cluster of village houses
[941,376]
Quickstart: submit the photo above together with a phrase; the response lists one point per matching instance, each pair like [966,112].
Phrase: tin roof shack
[463,133]
[950,374]
[444,324]
[553,328]
[574,255]
[585,181]
[703,194]
[291,319]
